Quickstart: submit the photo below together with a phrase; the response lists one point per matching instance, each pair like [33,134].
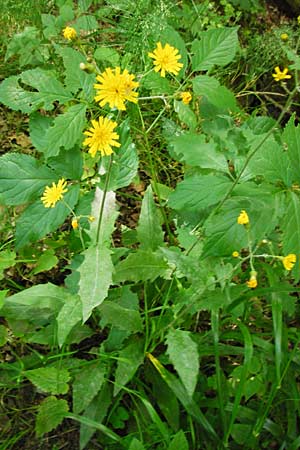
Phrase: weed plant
[151,238]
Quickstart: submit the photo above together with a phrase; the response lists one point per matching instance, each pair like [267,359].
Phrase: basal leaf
[22,178]
[129,360]
[69,316]
[149,231]
[39,296]
[87,383]
[49,379]
[121,316]
[183,354]
[51,413]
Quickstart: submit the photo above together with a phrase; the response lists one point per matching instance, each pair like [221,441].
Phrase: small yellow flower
[186,97]
[284,37]
[252,282]
[235,254]
[74,224]
[91,218]
[102,137]
[279,76]
[69,33]
[243,218]
[289,261]
[165,59]
[54,193]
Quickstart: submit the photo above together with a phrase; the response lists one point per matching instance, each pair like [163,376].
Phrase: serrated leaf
[195,151]
[149,232]
[185,114]
[51,413]
[121,316]
[179,442]
[129,360]
[46,261]
[22,178]
[216,47]
[210,88]
[183,353]
[49,379]
[95,278]
[7,259]
[290,226]
[141,266]
[87,383]
[48,90]
[37,221]
[69,316]
[38,128]
[197,192]
[66,130]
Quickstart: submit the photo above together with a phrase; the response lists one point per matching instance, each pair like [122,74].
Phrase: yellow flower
[284,37]
[165,59]
[69,33]
[74,224]
[186,97]
[252,282]
[243,218]
[279,76]
[289,261]
[235,254]
[91,218]
[115,88]
[102,137]
[54,193]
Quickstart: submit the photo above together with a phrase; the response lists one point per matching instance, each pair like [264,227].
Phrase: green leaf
[95,278]
[179,442]
[108,214]
[51,413]
[210,89]
[141,266]
[291,138]
[197,192]
[87,23]
[4,336]
[49,379]
[38,128]
[68,164]
[129,360]
[135,444]
[217,47]
[149,232]
[291,229]
[107,54]
[195,151]
[69,316]
[37,221]
[48,91]
[185,114]
[22,178]
[87,384]
[7,259]
[183,354]
[46,261]
[66,130]
[121,316]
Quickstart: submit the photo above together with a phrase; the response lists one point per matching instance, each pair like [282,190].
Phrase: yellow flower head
[102,137]
[252,282]
[186,97]
[115,88]
[74,224]
[54,193]
[243,218]
[235,254]
[284,37]
[279,76]
[165,59]
[289,261]
[69,33]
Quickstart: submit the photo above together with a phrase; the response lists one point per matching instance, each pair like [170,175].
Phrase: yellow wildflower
[284,36]
[243,218]
[102,137]
[74,224]
[115,88]
[54,193]
[235,254]
[289,261]
[186,97]
[252,282]
[69,33]
[165,59]
[279,76]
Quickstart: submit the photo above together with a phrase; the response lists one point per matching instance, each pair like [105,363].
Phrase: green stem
[104,198]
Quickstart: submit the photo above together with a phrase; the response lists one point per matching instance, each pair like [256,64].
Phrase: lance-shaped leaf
[130,358]
[149,232]
[69,316]
[48,90]
[87,384]
[22,178]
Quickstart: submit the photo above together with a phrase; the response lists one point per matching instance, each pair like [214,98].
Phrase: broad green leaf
[49,379]
[129,360]
[197,192]
[95,278]
[290,227]
[69,316]
[39,296]
[195,151]
[25,45]
[149,232]
[48,91]
[51,413]
[179,442]
[66,130]
[22,178]
[38,128]
[141,266]
[183,354]
[87,384]
[135,444]
[37,221]
[291,138]
[209,88]
[7,259]
[185,114]
[68,164]
[216,47]
[107,54]
[46,261]
[157,85]
[87,22]
[121,316]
